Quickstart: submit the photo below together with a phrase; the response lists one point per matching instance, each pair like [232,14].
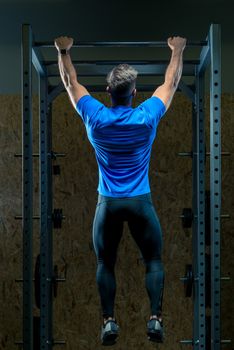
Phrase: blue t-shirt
[122,138]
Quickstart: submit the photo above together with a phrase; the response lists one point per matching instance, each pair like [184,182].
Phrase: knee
[107,264]
[154,265]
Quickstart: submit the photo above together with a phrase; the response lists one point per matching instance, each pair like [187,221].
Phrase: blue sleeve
[88,108]
[155,109]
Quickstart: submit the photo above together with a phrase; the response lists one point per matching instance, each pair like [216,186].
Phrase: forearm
[174,70]
[67,70]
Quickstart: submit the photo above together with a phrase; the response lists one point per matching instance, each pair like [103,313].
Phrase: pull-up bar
[122,44]
[112,62]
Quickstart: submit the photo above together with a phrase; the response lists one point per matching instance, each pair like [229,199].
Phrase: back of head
[122,81]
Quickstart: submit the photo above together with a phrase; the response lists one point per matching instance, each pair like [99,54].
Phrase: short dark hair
[122,80]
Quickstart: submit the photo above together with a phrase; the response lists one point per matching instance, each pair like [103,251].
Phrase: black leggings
[145,228]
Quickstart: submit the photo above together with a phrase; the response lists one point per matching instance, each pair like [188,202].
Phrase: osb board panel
[77,313]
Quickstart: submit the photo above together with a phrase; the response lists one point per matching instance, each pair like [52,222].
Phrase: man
[122,138]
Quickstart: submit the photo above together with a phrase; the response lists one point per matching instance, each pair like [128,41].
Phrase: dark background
[109,20]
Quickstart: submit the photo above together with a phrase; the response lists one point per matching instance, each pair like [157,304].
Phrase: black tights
[145,228]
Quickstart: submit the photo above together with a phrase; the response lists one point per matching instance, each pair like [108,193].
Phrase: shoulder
[88,100]
[89,108]
[153,103]
[154,109]
[88,104]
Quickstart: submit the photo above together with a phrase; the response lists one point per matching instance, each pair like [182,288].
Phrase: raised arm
[174,71]
[67,71]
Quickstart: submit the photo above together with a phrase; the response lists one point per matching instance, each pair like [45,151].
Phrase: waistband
[142,197]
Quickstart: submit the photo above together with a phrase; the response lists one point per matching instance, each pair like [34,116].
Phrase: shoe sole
[155,336]
[110,338]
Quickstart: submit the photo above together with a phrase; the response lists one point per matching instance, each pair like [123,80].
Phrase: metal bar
[21,217]
[194,225]
[222,216]
[63,279]
[19,155]
[37,62]
[55,342]
[186,342]
[190,154]
[18,217]
[185,154]
[225,216]
[27,182]
[59,342]
[36,155]
[46,253]
[225,279]
[222,154]
[90,70]
[204,60]
[215,180]
[113,62]
[226,341]
[161,44]
[198,161]
[57,90]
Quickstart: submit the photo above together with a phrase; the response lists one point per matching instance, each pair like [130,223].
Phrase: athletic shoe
[155,330]
[109,332]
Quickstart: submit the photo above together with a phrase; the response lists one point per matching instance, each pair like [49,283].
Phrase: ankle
[107,319]
[156,317]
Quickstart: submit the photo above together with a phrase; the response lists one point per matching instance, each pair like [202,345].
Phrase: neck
[115,104]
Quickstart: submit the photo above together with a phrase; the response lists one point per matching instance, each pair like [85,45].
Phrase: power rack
[206,331]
